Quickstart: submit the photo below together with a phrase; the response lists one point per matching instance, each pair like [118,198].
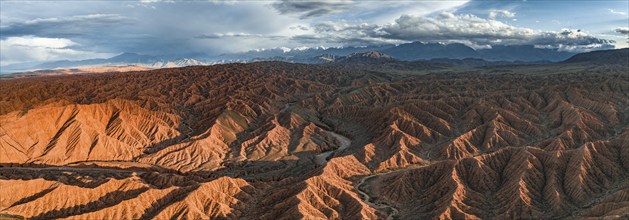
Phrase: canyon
[274,140]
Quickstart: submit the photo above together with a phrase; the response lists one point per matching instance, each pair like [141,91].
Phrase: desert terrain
[348,140]
[76,70]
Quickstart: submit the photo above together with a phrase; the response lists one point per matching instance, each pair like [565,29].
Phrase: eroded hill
[273,140]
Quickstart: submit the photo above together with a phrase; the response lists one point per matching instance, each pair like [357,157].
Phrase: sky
[41,31]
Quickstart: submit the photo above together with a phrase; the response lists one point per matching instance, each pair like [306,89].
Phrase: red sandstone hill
[275,140]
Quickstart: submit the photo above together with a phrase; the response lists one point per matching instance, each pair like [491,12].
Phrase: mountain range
[620,56]
[406,52]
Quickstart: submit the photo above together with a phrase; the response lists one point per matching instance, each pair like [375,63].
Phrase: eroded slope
[285,141]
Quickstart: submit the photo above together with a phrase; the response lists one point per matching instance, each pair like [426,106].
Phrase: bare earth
[79,70]
[273,140]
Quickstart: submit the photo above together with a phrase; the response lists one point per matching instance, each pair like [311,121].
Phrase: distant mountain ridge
[619,56]
[423,51]
[409,52]
[125,59]
[369,56]
[382,60]
[405,52]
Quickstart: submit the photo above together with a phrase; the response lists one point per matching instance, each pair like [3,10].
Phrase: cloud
[31,41]
[215,27]
[60,26]
[571,40]
[228,2]
[32,48]
[234,35]
[224,2]
[448,27]
[616,12]
[156,1]
[79,18]
[223,35]
[170,28]
[493,14]
[299,27]
[309,9]
[622,30]
[345,33]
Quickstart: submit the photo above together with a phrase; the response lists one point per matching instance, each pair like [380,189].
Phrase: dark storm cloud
[622,30]
[308,9]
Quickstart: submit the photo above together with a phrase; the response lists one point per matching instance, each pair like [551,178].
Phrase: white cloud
[236,35]
[228,34]
[448,27]
[224,2]
[156,1]
[34,49]
[493,14]
[92,17]
[30,41]
[385,13]
[616,12]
